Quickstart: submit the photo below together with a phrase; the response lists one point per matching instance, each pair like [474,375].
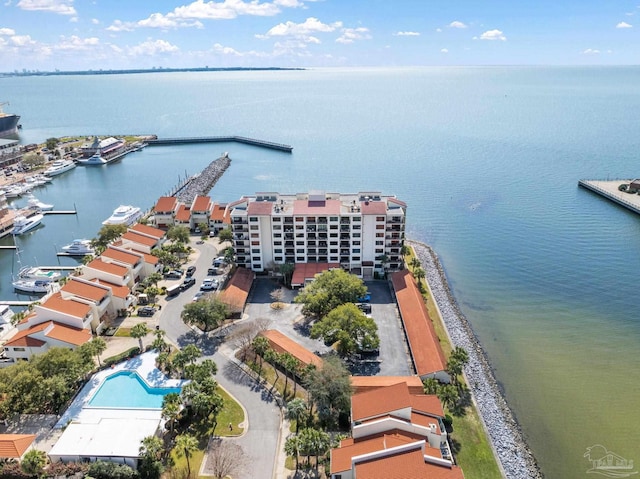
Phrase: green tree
[430,386]
[448,394]
[329,389]
[204,230]
[138,332]
[153,279]
[178,234]
[207,314]
[225,234]
[32,160]
[415,262]
[98,346]
[33,462]
[200,371]
[51,143]
[329,290]
[171,407]
[349,329]
[260,345]
[419,274]
[150,464]
[166,258]
[297,411]
[314,442]
[186,445]
[106,235]
[152,292]
[287,269]
[455,365]
[159,343]
[229,254]
[292,448]
[272,358]
[290,365]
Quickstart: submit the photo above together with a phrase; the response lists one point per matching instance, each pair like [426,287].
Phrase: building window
[255,250]
[379,235]
[333,227]
[379,227]
[278,258]
[19,349]
[356,243]
[276,220]
[379,251]
[277,227]
[379,243]
[333,251]
[299,219]
[255,235]
[256,258]
[253,219]
[277,235]
[355,250]
[254,227]
[278,250]
[380,218]
[299,243]
[356,227]
[333,235]
[257,266]
[333,218]
[357,218]
[356,235]
[300,251]
[300,259]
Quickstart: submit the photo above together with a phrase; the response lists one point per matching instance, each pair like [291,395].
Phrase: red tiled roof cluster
[308,271]
[237,291]
[281,343]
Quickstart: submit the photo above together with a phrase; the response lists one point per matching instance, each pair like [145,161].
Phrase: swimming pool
[126,389]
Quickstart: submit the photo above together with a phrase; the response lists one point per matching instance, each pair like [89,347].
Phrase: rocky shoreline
[202,183]
[505,434]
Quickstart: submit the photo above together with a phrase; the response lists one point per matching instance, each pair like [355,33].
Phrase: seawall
[506,437]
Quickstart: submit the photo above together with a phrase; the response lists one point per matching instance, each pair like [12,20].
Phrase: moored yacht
[59,166]
[123,215]
[37,286]
[95,159]
[79,247]
[22,224]
[35,203]
[33,273]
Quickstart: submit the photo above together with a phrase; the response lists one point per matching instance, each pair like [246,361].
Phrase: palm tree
[419,274]
[286,361]
[171,409]
[186,445]
[448,394]
[33,462]
[272,358]
[138,332]
[260,345]
[152,448]
[292,448]
[98,346]
[296,410]
[430,386]
[415,262]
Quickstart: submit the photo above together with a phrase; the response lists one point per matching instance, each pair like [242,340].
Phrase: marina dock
[221,139]
[609,189]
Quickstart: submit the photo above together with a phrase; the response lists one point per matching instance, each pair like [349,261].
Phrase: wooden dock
[221,139]
[609,190]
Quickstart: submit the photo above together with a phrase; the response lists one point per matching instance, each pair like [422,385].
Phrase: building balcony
[322,243]
[311,228]
[239,221]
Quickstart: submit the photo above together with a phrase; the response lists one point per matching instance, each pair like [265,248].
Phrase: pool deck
[144,365]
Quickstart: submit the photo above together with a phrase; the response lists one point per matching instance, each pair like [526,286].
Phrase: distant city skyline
[64,35]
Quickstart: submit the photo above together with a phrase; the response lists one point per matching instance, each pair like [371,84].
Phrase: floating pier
[609,189]
[221,139]
[60,212]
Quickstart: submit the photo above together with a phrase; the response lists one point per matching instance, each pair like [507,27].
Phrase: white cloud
[7,31]
[590,51]
[217,48]
[76,43]
[457,24]
[624,25]
[120,26]
[152,48]
[438,30]
[74,19]
[224,10]
[301,31]
[444,50]
[157,20]
[493,35]
[22,40]
[95,21]
[288,3]
[350,35]
[62,7]
[407,34]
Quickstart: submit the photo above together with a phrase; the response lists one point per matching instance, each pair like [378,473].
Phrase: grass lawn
[474,455]
[123,332]
[269,375]
[180,464]
[231,413]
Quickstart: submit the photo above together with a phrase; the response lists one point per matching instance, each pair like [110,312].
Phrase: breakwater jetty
[514,455]
[610,189]
[202,183]
[220,139]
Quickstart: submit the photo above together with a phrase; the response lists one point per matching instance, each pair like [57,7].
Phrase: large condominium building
[362,233]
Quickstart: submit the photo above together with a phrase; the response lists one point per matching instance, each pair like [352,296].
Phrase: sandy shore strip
[504,432]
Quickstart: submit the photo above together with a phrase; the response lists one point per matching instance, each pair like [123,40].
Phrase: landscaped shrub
[111,470]
[122,356]
[60,469]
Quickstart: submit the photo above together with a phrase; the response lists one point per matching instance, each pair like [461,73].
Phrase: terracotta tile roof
[84,290]
[69,335]
[308,271]
[117,290]
[425,421]
[262,208]
[284,344]
[201,203]
[69,307]
[183,214]
[166,204]
[150,259]
[397,201]
[138,238]
[373,208]
[405,465]
[368,383]
[218,213]
[326,207]
[427,403]
[380,401]
[110,268]
[53,330]
[147,230]
[426,352]
[341,456]
[237,291]
[15,445]
[121,256]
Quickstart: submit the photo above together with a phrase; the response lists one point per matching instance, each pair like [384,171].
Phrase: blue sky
[114,34]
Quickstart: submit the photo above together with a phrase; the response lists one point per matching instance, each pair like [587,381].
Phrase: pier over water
[609,189]
[221,139]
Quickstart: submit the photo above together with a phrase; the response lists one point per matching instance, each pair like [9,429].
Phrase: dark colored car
[191,270]
[364,307]
[188,282]
[146,311]
[212,271]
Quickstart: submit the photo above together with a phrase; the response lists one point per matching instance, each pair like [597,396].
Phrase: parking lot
[393,358]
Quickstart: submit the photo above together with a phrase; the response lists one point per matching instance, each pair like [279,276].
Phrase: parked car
[213,271]
[191,270]
[219,261]
[365,299]
[146,311]
[209,284]
[364,307]
[173,274]
[199,295]
[188,282]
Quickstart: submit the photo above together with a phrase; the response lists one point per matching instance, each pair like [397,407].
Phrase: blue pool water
[127,390]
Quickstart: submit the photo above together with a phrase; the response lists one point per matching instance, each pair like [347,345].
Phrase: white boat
[13,191]
[22,224]
[33,273]
[35,203]
[93,160]
[79,247]
[32,285]
[123,215]
[59,166]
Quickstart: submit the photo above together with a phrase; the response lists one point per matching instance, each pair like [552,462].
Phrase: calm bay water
[488,160]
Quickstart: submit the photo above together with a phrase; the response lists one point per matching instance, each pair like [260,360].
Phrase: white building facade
[363,232]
